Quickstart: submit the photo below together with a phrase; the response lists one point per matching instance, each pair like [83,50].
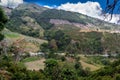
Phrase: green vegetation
[3,20]
[61,14]
[29,59]
[33,20]
[58,41]
[26,27]
[9,34]
[55,69]
[63,38]
[81,42]
[98,60]
[14,71]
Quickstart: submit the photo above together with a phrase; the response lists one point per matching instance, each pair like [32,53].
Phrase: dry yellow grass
[30,47]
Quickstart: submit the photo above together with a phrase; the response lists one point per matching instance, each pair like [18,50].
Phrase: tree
[51,69]
[18,48]
[58,40]
[68,74]
[3,20]
[53,45]
[4,47]
[112,5]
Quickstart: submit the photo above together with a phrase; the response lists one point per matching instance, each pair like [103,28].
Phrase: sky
[93,8]
[59,2]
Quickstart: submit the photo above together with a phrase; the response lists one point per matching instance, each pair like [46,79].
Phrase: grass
[29,59]
[91,66]
[89,62]
[9,34]
[21,64]
[12,35]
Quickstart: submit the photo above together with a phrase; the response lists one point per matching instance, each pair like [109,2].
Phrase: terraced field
[32,44]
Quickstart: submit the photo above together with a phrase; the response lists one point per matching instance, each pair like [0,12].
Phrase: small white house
[36,54]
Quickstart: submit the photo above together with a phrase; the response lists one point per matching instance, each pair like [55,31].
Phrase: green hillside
[22,21]
[49,44]
[32,20]
[77,33]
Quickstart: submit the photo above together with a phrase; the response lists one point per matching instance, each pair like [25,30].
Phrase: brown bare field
[92,67]
[35,65]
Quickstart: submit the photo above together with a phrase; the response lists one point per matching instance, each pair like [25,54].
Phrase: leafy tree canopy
[3,20]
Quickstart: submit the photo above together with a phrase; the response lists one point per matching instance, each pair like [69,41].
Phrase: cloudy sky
[59,2]
[10,3]
[91,8]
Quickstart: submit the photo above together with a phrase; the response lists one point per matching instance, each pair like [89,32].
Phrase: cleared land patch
[35,65]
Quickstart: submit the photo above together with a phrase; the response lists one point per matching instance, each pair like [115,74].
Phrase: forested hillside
[82,34]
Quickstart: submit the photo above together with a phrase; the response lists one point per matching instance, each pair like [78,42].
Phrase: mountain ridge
[43,16]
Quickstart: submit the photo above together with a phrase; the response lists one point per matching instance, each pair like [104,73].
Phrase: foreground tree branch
[111,6]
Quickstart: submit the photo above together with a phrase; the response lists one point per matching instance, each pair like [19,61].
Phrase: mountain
[22,21]
[33,19]
[69,31]
[82,40]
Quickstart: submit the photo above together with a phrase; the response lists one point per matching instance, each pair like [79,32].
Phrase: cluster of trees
[3,20]
[20,26]
[86,43]
[58,41]
[110,72]
[57,70]
[9,70]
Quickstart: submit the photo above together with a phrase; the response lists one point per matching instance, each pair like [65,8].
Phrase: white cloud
[50,7]
[11,3]
[92,9]
[114,19]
